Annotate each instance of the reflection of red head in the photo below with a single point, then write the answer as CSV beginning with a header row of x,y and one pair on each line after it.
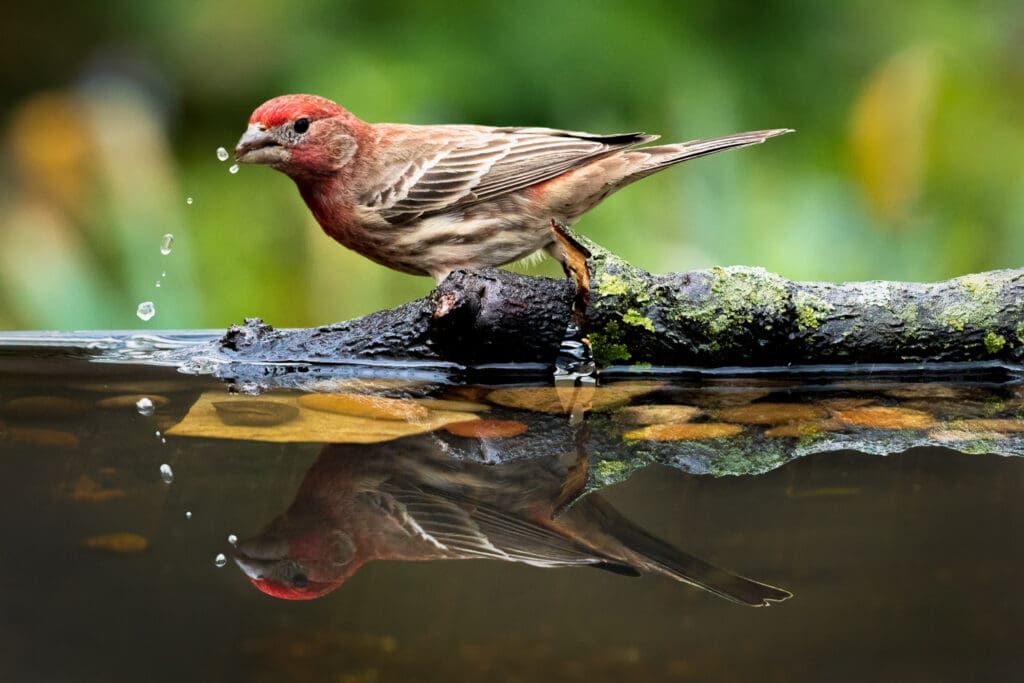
x,y
294,562
280,589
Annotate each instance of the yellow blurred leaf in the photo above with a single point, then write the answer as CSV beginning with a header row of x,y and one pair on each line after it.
x,y
888,130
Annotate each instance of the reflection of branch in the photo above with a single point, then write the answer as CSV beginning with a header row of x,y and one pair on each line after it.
x,y
714,317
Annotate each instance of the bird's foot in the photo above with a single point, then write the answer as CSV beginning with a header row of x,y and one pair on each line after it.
x,y
575,362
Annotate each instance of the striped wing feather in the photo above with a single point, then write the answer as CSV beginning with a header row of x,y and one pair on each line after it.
x,y
480,164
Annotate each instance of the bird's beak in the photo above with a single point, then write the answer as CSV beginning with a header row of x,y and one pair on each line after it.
x,y
255,556
254,569
257,146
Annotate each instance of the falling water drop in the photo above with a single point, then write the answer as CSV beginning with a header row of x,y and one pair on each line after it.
x,y
166,244
145,406
166,473
233,169
146,310
189,201
222,154
220,560
188,514
232,539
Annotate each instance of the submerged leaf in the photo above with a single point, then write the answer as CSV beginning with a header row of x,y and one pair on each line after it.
x,y
657,414
309,425
88,490
885,417
567,399
771,413
125,543
801,429
40,437
255,413
365,405
131,401
448,404
44,407
486,429
690,431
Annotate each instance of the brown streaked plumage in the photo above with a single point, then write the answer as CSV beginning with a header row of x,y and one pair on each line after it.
x,y
428,200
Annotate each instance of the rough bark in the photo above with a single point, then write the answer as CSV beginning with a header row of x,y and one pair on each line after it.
x,y
735,316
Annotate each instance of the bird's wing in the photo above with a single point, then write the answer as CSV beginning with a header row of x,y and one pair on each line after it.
x,y
463,527
465,164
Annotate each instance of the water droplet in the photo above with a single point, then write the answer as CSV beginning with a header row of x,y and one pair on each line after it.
x,y
166,473
146,310
144,406
232,539
222,154
157,432
157,283
163,440
188,514
233,169
166,244
189,201
220,560
163,273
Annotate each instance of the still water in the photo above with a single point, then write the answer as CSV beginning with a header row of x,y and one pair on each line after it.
x,y
901,568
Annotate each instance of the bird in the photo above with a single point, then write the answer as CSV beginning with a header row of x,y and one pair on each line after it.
x,y
431,199
409,500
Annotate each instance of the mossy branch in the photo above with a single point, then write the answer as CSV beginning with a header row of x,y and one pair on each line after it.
x,y
735,316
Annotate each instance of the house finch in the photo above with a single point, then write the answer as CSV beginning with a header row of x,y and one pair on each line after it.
x,y
405,500
428,200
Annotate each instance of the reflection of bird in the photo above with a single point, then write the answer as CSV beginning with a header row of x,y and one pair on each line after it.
x,y
406,501
431,199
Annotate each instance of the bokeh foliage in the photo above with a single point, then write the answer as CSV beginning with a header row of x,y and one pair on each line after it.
x,y
907,163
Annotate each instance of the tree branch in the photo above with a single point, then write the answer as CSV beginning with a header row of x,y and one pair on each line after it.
x,y
704,318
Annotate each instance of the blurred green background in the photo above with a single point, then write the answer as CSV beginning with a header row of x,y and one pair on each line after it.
x,y
908,162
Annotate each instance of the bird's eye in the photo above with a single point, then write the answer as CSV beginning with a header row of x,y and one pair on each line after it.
x,y
300,580
302,125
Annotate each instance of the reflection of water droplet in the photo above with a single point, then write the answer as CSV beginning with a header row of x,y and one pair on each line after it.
x,y
233,169
166,244
146,310
220,560
232,539
222,154
188,514
166,473
189,201
144,406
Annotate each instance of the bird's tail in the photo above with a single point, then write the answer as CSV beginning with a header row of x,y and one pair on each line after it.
x,y
652,554
660,156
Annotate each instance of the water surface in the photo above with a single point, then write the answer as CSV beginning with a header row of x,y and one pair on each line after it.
x,y
902,567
